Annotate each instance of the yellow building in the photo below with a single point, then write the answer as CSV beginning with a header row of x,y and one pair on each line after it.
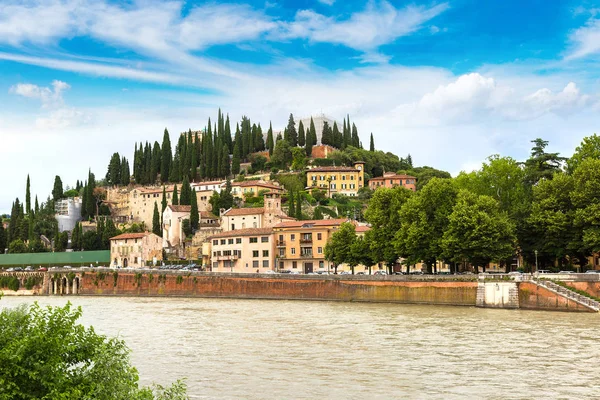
x,y
135,250
337,180
243,251
301,244
239,189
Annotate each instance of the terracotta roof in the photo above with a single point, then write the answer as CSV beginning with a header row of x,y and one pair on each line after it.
x,y
178,208
382,178
243,232
362,228
234,212
130,236
318,222
208,215
333,169
257,183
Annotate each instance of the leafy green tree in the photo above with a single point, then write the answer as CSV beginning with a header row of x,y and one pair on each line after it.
x,y
281,155
186,227
383,213
299,206
301,135
46,354
17,246
57,191
186,192
194,214
166,157
298,159
423,219
110,230
291,207
586,200
478,231
28,196
339,247
361,252
588,149
541,165
91,241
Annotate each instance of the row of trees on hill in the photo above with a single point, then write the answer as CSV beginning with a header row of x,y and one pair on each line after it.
x,y
490,215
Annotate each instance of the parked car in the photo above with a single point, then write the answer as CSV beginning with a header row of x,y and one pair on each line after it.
x,y
18,269
592,271
67,267
565,272
29,268
398,273
42,269
360,273
380,272
416,273
269,271
10,270
543,271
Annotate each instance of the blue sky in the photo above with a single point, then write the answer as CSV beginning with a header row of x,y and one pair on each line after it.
x,y
450,82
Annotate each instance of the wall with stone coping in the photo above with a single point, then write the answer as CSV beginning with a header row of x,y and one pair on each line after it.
x,y
591,288
534,297
277,287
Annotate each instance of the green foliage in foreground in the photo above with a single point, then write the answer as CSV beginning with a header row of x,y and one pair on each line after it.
x,y
45,354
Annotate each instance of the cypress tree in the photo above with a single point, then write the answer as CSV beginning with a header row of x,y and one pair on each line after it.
x,y
225,161
194,165
166,157
372,144
156,221
194,214
57,191
299,207
310,142
338,138
28,196
90,200
164,200
292,133
313,132
2,238
286,135
325,136
184,199
37,208
148,163
125,172
246,132
291,209
318,214
109,231
228,139
156,161
301,135
216,156
270,143
175,196
355,138
278,138
259,141
235,162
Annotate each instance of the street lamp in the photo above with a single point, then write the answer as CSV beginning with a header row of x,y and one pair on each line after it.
x,y
536,264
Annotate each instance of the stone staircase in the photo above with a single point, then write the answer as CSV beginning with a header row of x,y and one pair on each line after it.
x,y
569,294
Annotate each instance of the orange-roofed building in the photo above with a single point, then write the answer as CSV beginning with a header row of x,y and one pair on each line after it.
x,y
243,251
256,217
301,244
337,180
390,180
135,250
239,189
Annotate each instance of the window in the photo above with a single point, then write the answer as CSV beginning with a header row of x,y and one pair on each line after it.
x,y
281,252
293,250
294,264
135,260
238,240
215,265
281,238
319,250
264,239
292,237
253,240
265,253
281,264
233,227
319,236
255,264
321,264
254,253
215,242
229,241
223,241
265,263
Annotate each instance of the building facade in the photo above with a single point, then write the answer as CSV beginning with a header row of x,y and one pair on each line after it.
x,y
301,244
172,226
135,250
390,180
68,213
243,251
257,217
253,188
337,180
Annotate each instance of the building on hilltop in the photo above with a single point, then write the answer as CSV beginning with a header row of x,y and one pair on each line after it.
x,y
390,180
337,180
239,189
257,217
319,121
172,227
135,250
243,251
200,133
322,151
301,244
67,213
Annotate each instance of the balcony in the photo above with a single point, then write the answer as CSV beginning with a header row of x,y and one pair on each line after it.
x,y
306,240
306,255
232,257
281,243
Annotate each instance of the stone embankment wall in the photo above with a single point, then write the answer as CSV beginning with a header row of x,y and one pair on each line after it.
x,y
591,288
534,297
279,287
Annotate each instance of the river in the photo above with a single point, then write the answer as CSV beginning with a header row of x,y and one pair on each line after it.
x,y
262,349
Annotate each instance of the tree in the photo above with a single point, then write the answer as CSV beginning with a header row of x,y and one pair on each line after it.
x,y
175,200
281,155
17,246
166,157
317,214
291,131
299,207
541,165
2,237
186,227
156,221
339,247
383,213
186,192
125,172
46,354
311,138
113,173
270,143
194,214
163,202
57,191
301,134
423,219
28,196
298,159
291,208
372,143
587,203
235,162
588,149
226,168
478,231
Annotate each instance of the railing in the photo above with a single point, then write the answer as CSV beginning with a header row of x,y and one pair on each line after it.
x,y
281,243
306,255
570,294
228,258
304,240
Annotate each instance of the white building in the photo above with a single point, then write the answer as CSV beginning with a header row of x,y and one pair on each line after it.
x,y
68,213
173,217
319,121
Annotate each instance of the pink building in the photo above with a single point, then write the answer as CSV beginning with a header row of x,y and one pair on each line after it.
x,y
390,180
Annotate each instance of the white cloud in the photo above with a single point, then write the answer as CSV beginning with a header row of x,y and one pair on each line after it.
x,y
585,41
50,97
327,2
380,23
